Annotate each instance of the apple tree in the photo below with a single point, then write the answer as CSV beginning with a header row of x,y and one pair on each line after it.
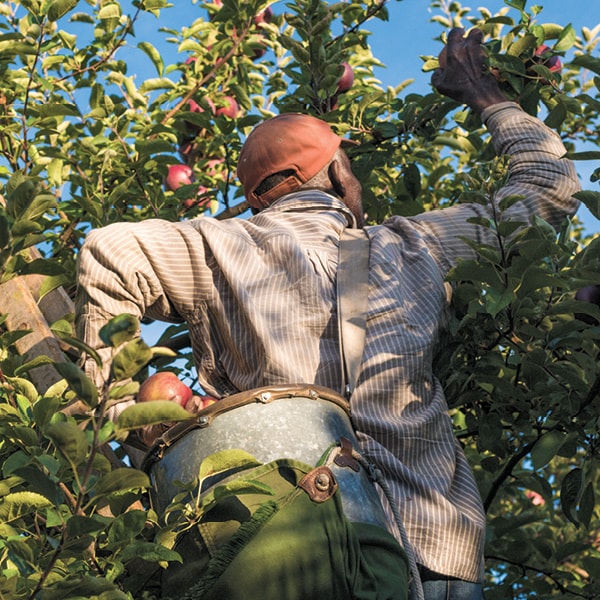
x,y
85,142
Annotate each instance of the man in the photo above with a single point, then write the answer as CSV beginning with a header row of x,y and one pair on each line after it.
x,y
259,296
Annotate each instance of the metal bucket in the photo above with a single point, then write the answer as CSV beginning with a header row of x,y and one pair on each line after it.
x,y
269,423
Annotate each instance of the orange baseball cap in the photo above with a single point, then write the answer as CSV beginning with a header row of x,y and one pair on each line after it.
x,y
290,141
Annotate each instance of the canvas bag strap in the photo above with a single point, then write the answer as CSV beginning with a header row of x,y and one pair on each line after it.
x,y
352,296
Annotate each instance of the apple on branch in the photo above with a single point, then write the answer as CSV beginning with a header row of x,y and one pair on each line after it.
x,y
228,108
346,81
264,16
552,62
178,175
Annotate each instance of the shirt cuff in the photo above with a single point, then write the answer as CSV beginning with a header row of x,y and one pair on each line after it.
x,y
494,109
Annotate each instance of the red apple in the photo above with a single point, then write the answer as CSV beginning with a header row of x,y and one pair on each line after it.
x,y
177,176
347,79
212,165
207,401
164,385
229,108
194,106
553,62
259,50
264,16
186,151
589,293
201,198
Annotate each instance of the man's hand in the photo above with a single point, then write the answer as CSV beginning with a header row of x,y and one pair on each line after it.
x,y
463,75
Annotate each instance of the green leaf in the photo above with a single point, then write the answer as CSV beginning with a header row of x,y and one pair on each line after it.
x,y
80,525
81,384
16,505
546,448
570,491
149,147
134,356
566,39
149,552
44,409
25,387
126,527
111,10
587,504
591,201
151,413
497,300
62,328
121,391
120,329
62,109
518,4
4,232
412,179
587,62
121,480
154,55
59,8
69,440
556,116
226,460
535,278
31,364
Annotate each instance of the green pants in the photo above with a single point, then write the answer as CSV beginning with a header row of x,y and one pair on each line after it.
x,y
285,546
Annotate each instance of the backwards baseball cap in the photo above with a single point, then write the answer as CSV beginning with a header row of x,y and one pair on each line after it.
x,y
291,141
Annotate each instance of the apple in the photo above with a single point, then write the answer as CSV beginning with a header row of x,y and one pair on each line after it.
x,y
186,151
194,106
229,108
201,198
553,62
212,166
207,401
589,293
536,499
178,175
259,50
164,385
347,79
264,16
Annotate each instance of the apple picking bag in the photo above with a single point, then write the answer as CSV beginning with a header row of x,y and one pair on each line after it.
x,y
282,508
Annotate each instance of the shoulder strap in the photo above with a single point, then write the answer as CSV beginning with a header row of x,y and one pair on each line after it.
x,y
352,296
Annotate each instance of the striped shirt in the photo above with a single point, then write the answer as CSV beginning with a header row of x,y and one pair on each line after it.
x,y
259,296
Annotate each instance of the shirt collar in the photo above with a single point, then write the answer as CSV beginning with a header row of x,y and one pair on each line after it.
x,y
311,200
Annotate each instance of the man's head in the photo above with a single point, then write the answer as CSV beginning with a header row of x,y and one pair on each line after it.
x,y
288,151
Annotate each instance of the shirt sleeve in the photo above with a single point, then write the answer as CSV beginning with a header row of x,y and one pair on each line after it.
x,y
151,268
543,180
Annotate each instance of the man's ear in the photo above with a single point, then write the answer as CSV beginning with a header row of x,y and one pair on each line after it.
x,y
336,176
